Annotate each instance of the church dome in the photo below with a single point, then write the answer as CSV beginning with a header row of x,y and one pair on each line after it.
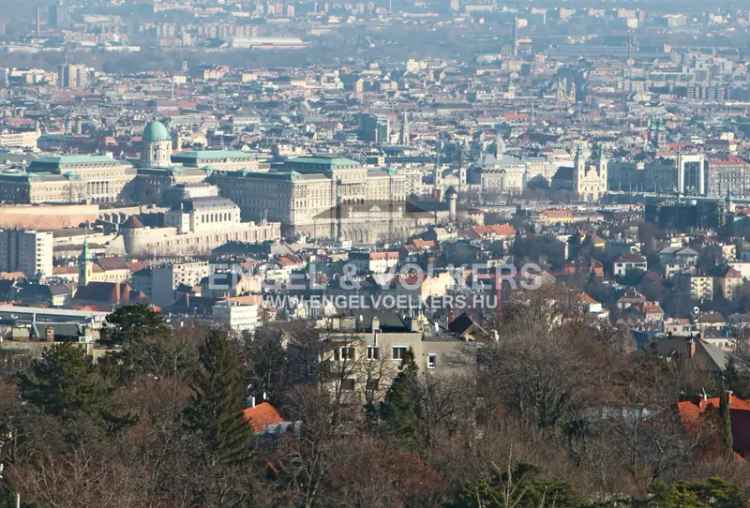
x,y
156,132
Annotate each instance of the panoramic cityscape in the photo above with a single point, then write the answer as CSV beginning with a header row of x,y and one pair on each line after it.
x,y
397,253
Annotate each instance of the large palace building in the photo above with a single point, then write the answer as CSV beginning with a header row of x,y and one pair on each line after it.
x,y
68,179
195,227
324,197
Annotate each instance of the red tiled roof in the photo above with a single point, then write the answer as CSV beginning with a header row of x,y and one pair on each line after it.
x,y
585,298
652,307
732,274
630,258
556,212
261,416
133,222
289,261
732,160
384,255
423,244
690,411
245,299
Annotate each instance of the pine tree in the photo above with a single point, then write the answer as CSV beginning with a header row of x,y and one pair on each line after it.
x,y
136,322
65,383
737,379
726,420
400,411
215,412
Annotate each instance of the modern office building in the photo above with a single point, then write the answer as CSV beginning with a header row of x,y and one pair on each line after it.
x,y
29,252
73,76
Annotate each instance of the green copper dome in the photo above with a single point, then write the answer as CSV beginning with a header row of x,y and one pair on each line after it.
x,y
156,132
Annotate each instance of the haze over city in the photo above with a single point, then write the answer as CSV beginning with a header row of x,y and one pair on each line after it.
x,y
394,253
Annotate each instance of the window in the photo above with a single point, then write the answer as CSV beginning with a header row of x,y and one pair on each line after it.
x,y
346,353
431,360
347,384
399,352
373,353
373,384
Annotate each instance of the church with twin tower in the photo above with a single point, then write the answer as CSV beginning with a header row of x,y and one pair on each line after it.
x,y
590,174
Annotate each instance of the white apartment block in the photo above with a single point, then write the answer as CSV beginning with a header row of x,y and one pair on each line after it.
x,y
238,317
29,252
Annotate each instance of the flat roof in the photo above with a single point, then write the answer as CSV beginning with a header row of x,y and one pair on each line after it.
x,y
316,163
70,313
212,155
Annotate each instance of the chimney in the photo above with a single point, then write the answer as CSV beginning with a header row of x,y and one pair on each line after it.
x,y
692,346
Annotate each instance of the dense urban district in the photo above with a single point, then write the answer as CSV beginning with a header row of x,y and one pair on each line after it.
x,y
397,253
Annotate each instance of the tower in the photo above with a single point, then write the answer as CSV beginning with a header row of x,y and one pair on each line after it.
x,y
452,198
38,20
437,174
580,174
85,265
461,170
405,134
157,145
580,163
499,147
602,166
590,174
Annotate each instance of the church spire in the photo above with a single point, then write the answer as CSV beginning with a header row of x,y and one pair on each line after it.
x,y
84,265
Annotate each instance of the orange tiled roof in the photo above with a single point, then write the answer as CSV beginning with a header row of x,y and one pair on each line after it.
x,y
246,299
503,230
650,307
423,244
585,298
556,212
690,411
289,261
261,416
384,255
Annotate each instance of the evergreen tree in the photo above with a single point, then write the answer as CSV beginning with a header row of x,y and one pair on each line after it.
x,y
737,379
726,421
65,383
713,492
520,486
215,411
400,411
136,322
147,346
266,361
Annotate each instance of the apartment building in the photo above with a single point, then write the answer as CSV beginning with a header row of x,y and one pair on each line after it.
x,y
29,252
363,354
